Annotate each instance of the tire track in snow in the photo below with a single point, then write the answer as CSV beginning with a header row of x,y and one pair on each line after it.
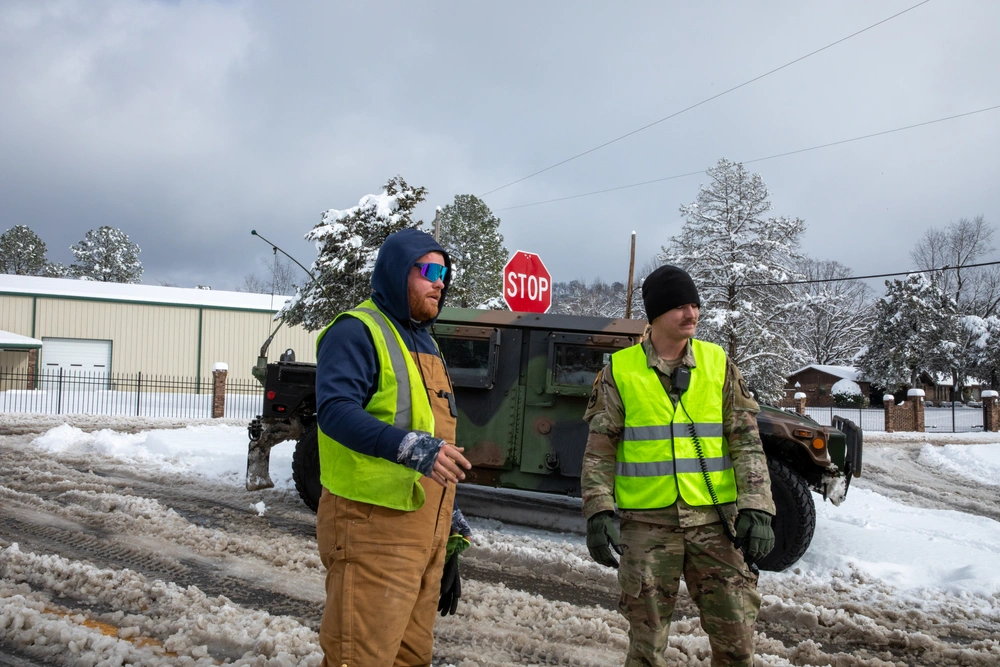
x,y
565,617
897,472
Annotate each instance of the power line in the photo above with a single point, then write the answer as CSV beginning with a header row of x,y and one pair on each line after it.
x,y
879,275
759,159
705,101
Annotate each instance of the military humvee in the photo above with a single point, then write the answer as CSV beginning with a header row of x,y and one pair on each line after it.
x,y
522,381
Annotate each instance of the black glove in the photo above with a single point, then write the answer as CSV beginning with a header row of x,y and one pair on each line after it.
x,y
451,587
601,532
419,450
754,535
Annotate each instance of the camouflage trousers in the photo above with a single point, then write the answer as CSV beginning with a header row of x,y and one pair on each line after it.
x,y
718,580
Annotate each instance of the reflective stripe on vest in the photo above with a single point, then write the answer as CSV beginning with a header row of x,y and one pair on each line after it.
x,y
657,457
401,400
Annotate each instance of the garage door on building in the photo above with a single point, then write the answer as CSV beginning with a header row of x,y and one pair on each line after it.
x,y
76,355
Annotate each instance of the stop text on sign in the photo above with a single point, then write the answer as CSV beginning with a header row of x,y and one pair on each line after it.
x,y
527,284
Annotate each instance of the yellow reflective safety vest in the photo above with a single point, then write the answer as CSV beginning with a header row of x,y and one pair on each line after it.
x,y
400,400
657,456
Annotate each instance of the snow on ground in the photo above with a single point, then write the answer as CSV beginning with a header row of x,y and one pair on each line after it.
x,y
980,463
216,451
889,575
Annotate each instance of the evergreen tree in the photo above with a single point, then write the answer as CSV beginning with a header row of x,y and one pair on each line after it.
x,y
733,252
470,233
348,243
22,253
835,316
915,331
106,255
57,270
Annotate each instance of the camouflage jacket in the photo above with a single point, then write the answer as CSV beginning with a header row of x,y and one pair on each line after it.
x,y
606,416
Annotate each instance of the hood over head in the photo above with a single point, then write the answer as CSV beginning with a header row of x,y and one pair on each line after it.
x,y
390,278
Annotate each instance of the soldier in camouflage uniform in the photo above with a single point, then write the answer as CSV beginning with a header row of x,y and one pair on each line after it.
x,y
659,541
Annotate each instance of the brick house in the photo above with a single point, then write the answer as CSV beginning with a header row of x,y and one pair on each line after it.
x,y
938,387
816,381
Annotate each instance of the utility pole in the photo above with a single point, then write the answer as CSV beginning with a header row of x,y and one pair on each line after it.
x,y
437,225
631,270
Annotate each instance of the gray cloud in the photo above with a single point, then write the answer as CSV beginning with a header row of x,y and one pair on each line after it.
x,y
187,124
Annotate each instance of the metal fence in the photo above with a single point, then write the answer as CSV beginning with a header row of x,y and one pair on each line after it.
x,y
936,420
244,399
869,419
59,391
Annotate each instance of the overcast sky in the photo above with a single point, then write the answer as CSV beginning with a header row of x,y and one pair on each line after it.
x,y
187,124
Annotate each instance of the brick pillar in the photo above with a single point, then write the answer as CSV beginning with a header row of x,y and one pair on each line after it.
x,y
32,368
991,411
888,401
916,399
219,373
800,402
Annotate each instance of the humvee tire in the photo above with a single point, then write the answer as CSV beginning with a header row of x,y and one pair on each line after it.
x,y
305,468
795,520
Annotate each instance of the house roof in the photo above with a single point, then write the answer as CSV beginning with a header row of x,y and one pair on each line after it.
x,y
13,341
149,294
844,372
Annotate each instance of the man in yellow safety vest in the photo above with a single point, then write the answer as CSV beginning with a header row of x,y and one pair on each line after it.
x,y
674,444
388,529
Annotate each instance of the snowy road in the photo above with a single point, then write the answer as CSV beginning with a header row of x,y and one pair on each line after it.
x,y
141,547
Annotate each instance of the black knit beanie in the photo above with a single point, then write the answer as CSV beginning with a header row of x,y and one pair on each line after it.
x,y
665,289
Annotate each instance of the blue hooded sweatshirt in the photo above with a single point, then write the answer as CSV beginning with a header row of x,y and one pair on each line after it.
x,y
347,367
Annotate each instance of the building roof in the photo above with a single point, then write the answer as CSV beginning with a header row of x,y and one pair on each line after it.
x,y
13,341
147,294
845,372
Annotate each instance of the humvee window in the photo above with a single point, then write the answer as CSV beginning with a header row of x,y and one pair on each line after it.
x,y
575,360
471,361
578,365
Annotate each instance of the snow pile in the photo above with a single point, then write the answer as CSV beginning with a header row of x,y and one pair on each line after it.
x,y
980,463
923,554
219,452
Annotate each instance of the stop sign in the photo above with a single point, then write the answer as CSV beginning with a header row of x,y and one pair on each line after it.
x,y
527,285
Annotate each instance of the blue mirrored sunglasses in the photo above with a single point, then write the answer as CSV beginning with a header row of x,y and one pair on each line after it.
x,y
433,272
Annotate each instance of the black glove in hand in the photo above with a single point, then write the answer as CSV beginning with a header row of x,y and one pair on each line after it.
x,y
602,536
419,451
754,535
451,587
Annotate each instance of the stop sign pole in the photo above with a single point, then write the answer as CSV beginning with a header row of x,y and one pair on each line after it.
x,y
527,284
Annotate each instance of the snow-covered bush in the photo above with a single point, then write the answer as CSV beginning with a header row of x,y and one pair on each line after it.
x,y
847,394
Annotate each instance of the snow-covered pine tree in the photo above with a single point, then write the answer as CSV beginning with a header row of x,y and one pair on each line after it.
x,y
915,331
470,233
106,255
835,317
347,242
730,248
22,253
977,350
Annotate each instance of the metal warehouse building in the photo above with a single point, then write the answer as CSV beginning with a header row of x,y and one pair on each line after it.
x,y
53,323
